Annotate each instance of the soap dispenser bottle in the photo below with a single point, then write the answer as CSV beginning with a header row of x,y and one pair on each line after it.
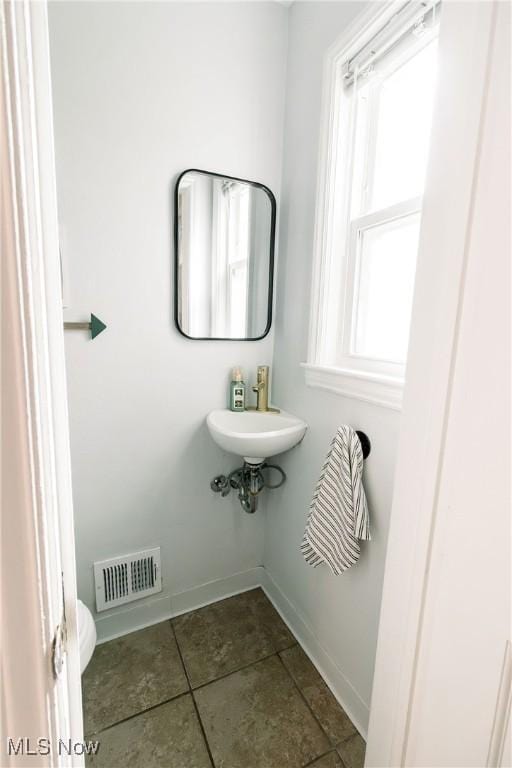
x,y
237,391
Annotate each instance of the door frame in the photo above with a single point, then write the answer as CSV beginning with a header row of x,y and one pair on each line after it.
x,y
39,597
412,559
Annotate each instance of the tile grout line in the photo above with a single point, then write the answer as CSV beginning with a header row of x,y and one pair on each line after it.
x,y
333,746
233,671
136,714
325,754
337,743
190,689
193,689
145,709
201,726
198,715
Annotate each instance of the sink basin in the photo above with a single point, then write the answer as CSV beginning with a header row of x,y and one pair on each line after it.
x,y
253,435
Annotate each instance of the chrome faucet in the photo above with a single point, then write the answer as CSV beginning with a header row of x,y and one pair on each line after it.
x,y
261,389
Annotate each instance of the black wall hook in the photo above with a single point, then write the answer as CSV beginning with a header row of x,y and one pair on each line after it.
x,y
365,443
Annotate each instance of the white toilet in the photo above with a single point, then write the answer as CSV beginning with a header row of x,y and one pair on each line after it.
x,y
86,634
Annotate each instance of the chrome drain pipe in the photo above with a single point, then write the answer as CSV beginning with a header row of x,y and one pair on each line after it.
x,y
249,480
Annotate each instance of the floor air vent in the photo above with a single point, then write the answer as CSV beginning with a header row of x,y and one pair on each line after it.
x,y
126,578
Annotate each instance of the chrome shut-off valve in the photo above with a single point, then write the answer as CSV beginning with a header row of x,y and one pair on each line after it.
x,y
249,480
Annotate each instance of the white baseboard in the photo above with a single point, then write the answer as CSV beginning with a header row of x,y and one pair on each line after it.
x,y
343,690
121,621
152,611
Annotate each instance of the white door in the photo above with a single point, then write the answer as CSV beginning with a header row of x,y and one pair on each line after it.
x,y
443,675
463,676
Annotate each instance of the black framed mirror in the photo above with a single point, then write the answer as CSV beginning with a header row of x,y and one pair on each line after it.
x,y
224,233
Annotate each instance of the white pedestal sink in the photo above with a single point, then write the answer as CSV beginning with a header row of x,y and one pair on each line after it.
x,y
255,436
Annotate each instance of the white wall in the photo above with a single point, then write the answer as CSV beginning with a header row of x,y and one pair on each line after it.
x,y
341,612
207,92
141,92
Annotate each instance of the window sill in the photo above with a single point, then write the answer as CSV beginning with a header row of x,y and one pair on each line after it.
x,y
385,391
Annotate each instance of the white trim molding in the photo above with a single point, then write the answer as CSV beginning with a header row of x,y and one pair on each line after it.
x,y
360,31
415,554
500,734
41,694
145,613
338,683
372,388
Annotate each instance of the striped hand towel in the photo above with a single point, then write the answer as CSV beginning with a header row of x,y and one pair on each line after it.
x,y
338,516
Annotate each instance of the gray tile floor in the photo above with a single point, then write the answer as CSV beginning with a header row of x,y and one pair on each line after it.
x,y
226,686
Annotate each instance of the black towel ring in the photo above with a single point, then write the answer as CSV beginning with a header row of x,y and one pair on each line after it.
x,y
365,443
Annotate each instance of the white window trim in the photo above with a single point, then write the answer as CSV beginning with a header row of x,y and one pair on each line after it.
x,y
349,359
374,387
370,387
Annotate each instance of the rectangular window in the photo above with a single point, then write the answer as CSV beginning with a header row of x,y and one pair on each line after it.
x,y
368,218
